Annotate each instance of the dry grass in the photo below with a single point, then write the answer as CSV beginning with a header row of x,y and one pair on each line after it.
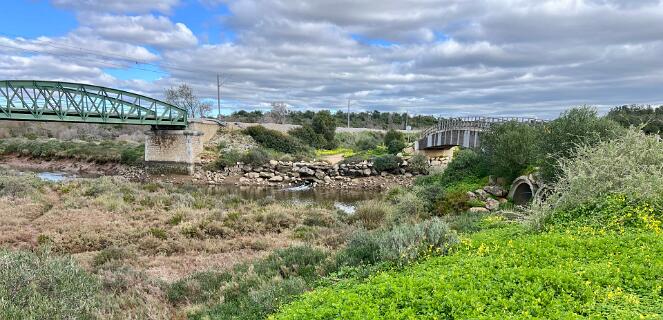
x,y
164,233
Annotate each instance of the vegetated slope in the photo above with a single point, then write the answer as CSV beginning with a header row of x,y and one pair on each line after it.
x,y
593,249
507,273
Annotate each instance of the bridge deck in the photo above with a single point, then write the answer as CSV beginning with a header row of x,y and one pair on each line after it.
x,y
74,102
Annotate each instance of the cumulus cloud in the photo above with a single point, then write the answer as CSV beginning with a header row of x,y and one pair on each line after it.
x,y
448,57
152,30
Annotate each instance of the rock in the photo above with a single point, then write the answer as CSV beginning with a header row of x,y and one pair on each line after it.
x,y
408,175
252,175
502,200
471,195
435,163
276,179
306,171
328,179
273,163
404,164
265,174
243,180
319,174
366,172
495,190
483,195
492,204
478,210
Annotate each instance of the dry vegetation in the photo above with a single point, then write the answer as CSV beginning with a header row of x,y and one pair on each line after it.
x,y
138,238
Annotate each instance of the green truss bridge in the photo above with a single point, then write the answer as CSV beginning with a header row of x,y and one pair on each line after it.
x,y
74,102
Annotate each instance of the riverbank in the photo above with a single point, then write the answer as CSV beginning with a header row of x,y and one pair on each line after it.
x,y
233,177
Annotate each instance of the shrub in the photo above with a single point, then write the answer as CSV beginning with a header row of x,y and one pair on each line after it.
x,y
629,166
274,140
574,128
419,164
107,255
363,248
511,147
465,164
387,162
228,159
324,124
431,194
393,135
360,141
294,261
372,213
406,243
16,186
158,233
395,146
41,286
453,203
307,135
409,208
255,157
198,287
648,117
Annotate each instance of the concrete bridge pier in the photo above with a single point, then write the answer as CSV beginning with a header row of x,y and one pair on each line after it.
x,y
172,151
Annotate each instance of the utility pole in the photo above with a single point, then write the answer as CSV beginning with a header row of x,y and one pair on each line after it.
x,y
348,112
218,94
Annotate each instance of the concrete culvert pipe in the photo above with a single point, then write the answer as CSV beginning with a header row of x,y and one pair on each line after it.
x,y
522,190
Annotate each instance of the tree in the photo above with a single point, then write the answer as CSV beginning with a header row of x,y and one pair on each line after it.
x,y
182,96
324,124
510,148
279,112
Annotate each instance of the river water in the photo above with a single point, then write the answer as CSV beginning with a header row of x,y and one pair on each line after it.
x,y
344,200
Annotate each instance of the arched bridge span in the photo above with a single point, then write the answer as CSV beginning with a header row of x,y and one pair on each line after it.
x,y
75,102
464,132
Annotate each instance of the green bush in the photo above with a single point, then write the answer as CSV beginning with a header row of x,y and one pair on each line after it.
x,y
387,162
628,166
511,147
648,117
255,157
42,286
363,248
324,124
393,135
274,140
574,128
466,164
409,208
307,135
419,164
107,255
372,213
18,186
360,141
228,159
198,287
453,203
395,146
100,152
407,242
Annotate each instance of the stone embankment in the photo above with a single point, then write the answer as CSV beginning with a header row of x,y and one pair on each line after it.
x,y
357,175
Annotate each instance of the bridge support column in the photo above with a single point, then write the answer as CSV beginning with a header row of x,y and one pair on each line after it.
x,y
172,151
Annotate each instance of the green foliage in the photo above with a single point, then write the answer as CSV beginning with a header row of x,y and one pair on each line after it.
x,y
419,164
324,124
387,162
275,140
372,213
42,286
100,152
505,273
466,164
395,141
395,146
307,135
360,141
629,166
18,186
574,128
648,117
510,148
453,203
228,159
198,287
158,233
401,245
409,208
255,157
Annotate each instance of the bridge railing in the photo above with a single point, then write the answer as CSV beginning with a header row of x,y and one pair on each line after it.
x,y
474,123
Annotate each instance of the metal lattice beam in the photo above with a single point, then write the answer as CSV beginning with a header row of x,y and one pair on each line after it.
x,y
75,102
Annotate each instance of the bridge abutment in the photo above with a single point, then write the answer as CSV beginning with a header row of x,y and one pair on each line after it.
x,y
172,151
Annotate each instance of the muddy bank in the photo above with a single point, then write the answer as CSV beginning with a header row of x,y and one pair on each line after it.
x,y
64,165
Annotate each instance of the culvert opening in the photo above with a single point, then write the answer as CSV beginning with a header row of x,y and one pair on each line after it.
x,y
523,194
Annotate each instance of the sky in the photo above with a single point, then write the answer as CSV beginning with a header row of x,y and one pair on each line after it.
x,y
443,57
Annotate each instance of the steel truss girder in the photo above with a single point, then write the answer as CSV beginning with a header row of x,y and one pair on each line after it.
x,y
75,102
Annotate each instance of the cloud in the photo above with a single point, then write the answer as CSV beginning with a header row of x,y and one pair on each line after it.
x,y
118,6
157,31
447,57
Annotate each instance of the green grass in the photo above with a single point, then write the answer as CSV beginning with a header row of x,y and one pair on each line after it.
x,y
345,152
507,272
